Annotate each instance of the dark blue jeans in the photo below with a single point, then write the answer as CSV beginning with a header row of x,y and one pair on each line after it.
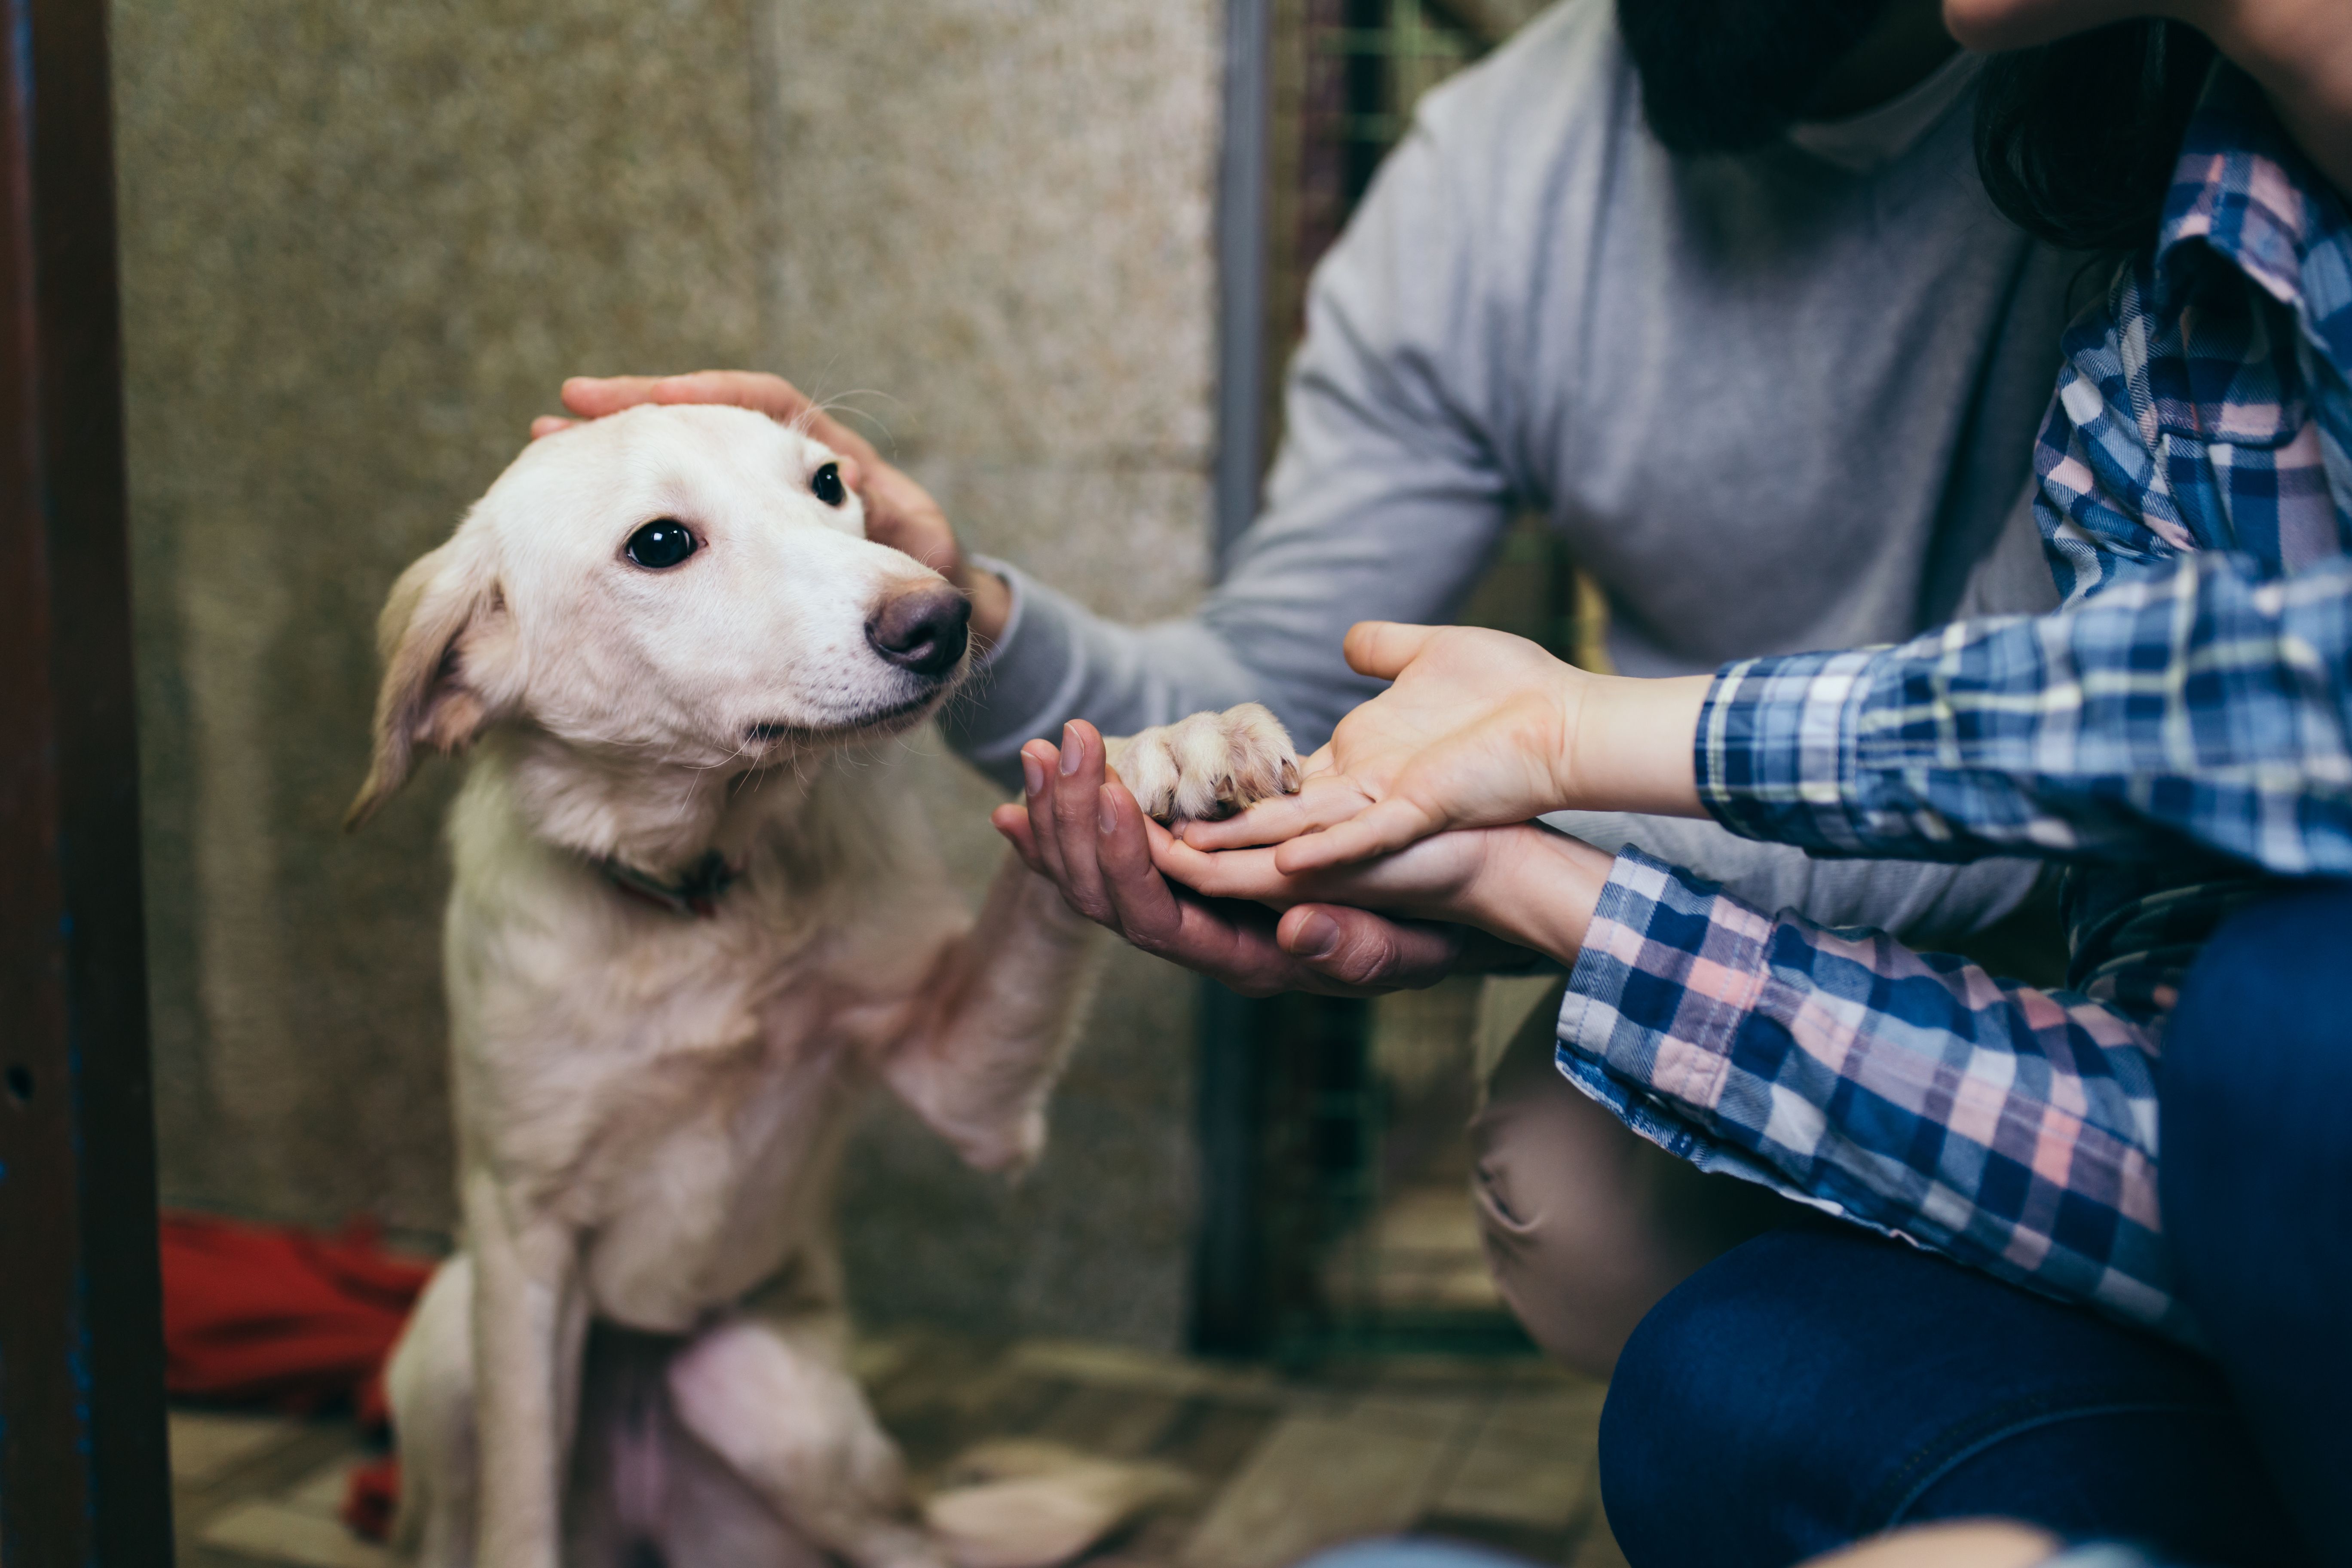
x,y
1818,1384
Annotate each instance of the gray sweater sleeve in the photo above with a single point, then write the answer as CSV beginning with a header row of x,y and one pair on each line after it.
x,y
1386,503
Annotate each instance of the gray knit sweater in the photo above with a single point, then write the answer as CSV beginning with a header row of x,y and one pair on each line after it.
x,y
1776,402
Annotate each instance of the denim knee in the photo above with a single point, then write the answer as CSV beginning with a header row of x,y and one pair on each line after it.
x,y
2256,1070
1817,1386
1703,1405
2265,1015
2256,1179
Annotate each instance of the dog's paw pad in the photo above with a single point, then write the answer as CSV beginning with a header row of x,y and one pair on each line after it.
x,y
1210,765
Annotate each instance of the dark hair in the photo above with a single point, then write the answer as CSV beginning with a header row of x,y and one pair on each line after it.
x,y
2076,139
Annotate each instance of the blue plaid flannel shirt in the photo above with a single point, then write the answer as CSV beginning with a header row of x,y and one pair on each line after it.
x,y
2182,727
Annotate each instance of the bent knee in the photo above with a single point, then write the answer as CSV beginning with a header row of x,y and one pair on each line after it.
x,y
1586,1225
2266,1010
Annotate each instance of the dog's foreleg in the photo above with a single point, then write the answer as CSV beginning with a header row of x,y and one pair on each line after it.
x,y
531,1324
430,1382
999,1008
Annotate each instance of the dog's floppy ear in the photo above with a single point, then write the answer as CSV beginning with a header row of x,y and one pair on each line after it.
x,y
440,613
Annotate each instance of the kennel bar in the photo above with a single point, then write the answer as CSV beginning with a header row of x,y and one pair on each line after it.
x,y
1317,91
83,1475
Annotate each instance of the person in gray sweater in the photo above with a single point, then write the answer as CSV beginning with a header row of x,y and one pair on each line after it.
x,y
1741,324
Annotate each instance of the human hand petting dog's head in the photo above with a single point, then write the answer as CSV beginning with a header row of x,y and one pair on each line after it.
x,y
1478,729
899,513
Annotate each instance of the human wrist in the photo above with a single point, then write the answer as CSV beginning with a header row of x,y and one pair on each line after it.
x,y
1631,745
1539,890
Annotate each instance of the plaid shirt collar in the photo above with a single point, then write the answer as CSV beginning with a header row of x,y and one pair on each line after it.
x,y
2243,191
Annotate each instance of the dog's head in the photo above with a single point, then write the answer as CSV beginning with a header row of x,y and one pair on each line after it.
x,y
688,584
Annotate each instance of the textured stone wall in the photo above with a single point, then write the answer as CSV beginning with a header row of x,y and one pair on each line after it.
x,y
993,245
364,242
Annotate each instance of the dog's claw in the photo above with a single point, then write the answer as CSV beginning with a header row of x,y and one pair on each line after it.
x,y
1208,766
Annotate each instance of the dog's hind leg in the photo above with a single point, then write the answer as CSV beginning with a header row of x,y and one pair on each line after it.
x,y
430,1382
770,1395
718,1520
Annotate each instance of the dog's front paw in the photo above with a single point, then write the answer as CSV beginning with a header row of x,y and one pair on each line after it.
x,y
1208,766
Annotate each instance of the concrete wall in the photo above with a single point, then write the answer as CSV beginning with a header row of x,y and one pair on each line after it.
x,y
362,243
993,241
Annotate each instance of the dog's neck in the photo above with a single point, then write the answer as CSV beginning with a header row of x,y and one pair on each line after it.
x,y
659,819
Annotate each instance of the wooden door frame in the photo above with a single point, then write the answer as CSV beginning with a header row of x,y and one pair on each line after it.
x,y
83,1472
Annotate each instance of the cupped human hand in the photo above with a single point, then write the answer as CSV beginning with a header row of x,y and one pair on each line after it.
x,y
1474,731
1080,827
1477,729
1522,885
899,513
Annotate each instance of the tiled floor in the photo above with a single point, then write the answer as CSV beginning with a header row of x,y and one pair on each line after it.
x,y
1500,1452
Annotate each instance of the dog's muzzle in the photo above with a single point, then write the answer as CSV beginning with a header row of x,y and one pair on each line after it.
x,y
924,630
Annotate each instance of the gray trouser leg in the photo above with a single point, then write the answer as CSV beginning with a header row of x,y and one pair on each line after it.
x,y
1587,1225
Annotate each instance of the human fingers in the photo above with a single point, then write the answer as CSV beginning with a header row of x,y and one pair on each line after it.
x,y
1431,879
1319,802
1355,950
1075,816
1013,822
772,396
1380,829
1233,942
549,424
594,396
1382,648
1040,770
901,514
1225,874
1143,908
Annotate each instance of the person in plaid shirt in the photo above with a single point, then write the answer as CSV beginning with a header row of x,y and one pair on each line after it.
x,y
2181,733
2185,727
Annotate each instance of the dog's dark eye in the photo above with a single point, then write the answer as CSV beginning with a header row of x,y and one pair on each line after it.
x,y
661,543
828,485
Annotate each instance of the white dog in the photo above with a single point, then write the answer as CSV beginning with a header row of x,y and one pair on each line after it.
x,y
692,921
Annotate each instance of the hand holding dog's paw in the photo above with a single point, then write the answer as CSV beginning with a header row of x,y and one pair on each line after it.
x,y
1208,766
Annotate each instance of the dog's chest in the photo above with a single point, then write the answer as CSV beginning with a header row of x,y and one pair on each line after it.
x,y
714,1182
675,1089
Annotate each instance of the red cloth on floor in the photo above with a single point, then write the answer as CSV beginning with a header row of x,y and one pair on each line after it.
x,y
296,1319
266,1314
371,1497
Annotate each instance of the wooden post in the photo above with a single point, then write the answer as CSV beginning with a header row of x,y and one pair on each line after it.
x,y
83,1477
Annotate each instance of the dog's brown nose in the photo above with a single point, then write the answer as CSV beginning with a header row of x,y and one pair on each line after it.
x,y
922,629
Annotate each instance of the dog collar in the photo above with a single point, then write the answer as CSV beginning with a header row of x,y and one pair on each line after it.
x,y
693,896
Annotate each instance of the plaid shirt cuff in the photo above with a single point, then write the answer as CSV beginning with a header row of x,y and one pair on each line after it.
x,y
2008,1127
1775,750
1667,974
